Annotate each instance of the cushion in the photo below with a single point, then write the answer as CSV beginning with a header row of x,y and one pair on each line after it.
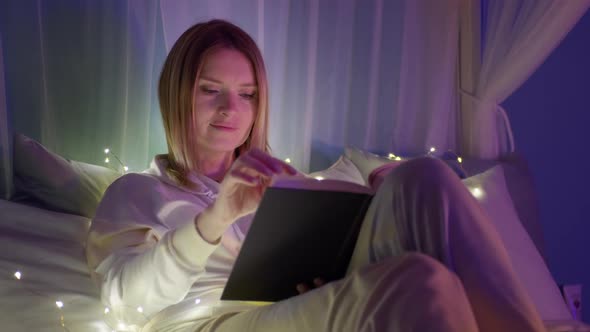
x,y
491,191
367,162
343,169
373,167
59,184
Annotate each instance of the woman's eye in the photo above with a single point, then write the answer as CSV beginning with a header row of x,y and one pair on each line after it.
x,y
209,91
248,96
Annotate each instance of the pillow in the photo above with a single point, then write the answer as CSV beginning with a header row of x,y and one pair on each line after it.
x,y
343,169
490,190
367,162
62,185
373,167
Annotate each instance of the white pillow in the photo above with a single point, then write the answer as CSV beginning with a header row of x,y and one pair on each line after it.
x,y
343,169
63,185
365,161
490,190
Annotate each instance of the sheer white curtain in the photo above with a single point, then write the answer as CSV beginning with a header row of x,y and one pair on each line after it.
x,y
5,138
517,36
375,74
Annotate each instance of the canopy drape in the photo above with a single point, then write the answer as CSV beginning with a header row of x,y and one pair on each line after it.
x,y
502,44
379,75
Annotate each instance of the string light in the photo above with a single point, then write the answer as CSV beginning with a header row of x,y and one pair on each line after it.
x,y
398,158
106,310
432,149
17,275
288,160
197,301
391,156
59,304
459,159
319,178
107,160
477,192
140,309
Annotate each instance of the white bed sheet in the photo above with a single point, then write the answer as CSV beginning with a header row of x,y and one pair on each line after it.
x,y
48,249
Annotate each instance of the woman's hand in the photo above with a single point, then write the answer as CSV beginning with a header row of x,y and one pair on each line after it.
x,y
240,191
304,287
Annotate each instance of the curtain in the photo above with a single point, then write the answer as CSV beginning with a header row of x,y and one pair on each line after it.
x,y
515,38
5,138
380,75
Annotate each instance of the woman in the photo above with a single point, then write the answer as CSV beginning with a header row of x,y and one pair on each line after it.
x,y
163,242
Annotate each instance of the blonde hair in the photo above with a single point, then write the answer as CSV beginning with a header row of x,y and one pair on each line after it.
x,y
178,83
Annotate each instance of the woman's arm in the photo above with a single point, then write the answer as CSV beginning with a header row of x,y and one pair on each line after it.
x,y
138,261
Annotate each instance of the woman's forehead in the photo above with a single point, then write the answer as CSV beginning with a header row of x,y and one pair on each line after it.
x,y
228,66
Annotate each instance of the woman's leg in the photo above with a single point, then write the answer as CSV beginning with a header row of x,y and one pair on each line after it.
x,y
408,293
423,206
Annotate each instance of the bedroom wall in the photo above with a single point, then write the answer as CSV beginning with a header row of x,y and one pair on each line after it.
x,y
550,117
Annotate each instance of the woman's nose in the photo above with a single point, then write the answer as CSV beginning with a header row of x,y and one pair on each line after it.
x,y
229,102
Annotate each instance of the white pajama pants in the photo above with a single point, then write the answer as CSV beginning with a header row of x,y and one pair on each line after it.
x,y
427,259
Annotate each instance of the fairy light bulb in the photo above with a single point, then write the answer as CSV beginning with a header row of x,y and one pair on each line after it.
x,y
121,326
319,178
391,156
126,168
197,301
106,310
398,158
432,149
17,275
107,160
477,192
140,309
459,159
59,304
107,150
288,160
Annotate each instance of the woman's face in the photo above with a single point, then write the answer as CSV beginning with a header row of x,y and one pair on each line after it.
x,y
225,101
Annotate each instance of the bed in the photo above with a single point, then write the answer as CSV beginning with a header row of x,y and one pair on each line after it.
x,y
46,286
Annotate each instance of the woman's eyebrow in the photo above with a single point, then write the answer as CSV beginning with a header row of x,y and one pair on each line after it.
x,y
245,85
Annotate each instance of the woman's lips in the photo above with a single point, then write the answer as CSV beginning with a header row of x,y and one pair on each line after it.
x,y
223,127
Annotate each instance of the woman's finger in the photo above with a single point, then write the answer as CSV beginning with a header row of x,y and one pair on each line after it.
x,y
256,165
277,165
243,178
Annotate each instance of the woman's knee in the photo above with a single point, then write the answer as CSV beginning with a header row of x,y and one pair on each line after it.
x,y
423,171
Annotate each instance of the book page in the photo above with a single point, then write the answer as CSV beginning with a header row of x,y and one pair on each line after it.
x,y
307,183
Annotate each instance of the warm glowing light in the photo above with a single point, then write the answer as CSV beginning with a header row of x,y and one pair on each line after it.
x,y
459,159
125,168
398,158
391,156
121,326
288,160
106,160
197,301
139,309
59,304
17,275
106,310
432,149
477,192
107,150
319,178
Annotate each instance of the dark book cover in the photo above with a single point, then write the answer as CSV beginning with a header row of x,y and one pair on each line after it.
x,y
296,236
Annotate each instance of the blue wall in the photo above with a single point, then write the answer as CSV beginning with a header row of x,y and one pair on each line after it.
x,y
550,116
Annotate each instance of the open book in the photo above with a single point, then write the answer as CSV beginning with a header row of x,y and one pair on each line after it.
x,y
303,229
